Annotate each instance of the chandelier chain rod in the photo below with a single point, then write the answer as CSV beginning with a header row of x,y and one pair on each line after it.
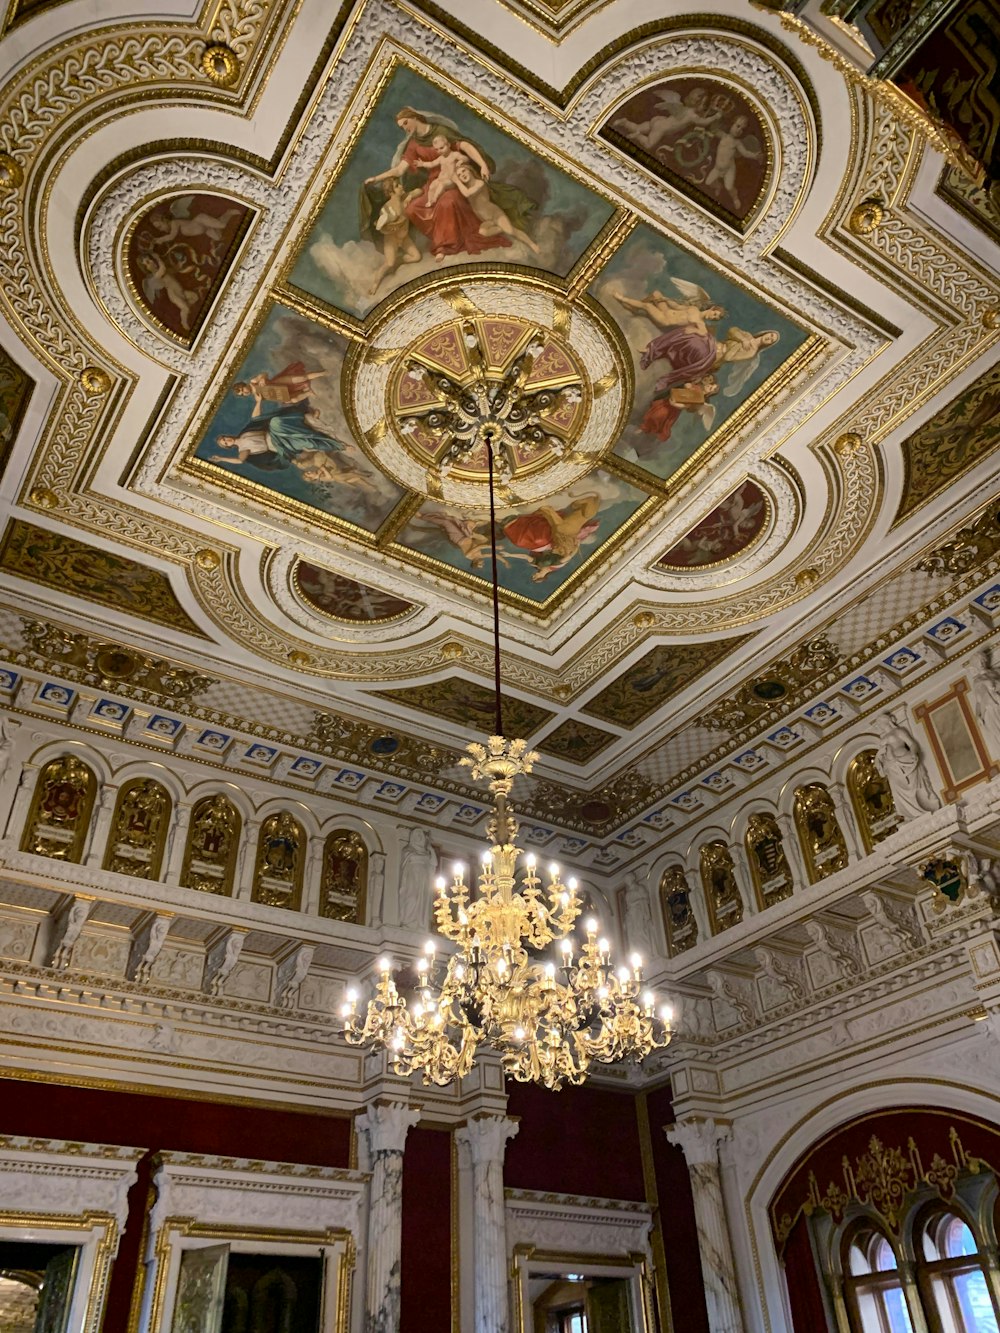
x,y
488,437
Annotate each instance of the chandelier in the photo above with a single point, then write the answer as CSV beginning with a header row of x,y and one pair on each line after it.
x,y
549,1019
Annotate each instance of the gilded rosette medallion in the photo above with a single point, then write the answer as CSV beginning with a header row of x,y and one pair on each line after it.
x,y
439,373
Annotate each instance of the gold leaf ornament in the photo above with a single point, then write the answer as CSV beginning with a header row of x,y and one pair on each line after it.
x,y
221,64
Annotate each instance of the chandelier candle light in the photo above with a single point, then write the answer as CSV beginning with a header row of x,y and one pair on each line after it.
x,y
549,1020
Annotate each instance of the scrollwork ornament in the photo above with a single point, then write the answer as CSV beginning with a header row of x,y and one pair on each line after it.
x,y
221,64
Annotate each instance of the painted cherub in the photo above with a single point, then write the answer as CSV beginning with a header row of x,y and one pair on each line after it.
x,y
160,279
695,309
202,224
449,158
492,219
731,145
393,226
677,114
293,384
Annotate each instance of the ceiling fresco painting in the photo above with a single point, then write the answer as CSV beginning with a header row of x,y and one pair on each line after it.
x,y
57,560
281,427
345,599
178,254
656,677
978,203
702,346
575,741
430,183
700,135
541,545
15,391
951,442
455,699
663,269
726,532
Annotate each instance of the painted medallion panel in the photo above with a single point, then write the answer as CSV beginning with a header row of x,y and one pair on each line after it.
x,y
540,546
430,183
281,426
702,346
468,704
179,251
951,442
575,741
15,390
700,135
663,672
728,530
341,598
56,560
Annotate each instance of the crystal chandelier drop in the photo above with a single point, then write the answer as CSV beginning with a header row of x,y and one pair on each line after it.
x,y
549,1020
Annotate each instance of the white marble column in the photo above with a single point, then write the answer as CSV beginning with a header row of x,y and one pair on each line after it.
x,y
484,1142
385,1126
699,1140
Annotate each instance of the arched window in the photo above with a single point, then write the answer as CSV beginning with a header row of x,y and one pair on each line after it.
x,y
345,877
213,839
60,810
873,1291
138,829
281,848
951,1275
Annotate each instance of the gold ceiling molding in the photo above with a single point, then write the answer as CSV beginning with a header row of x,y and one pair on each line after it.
x,y
907,252
108,665
780,686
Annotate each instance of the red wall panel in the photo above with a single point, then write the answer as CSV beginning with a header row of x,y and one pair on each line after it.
x,y
425,1271
680,1240
577,1141
138,1120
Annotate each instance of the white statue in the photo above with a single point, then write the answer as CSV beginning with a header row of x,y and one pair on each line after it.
x,y
146,951
417,867
71,926
902,762
638,916
291,975
376,888
8,729
986,699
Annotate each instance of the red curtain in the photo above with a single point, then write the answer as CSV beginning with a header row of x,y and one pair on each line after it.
x,y
804,1293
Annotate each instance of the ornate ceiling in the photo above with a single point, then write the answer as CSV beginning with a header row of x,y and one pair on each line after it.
x,y
256,258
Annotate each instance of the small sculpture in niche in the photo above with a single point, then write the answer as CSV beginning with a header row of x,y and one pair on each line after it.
x,y
638,916
138,830
213,840
60,810
986,698
871,797
902,761
277,878
416,875
718,876
769,868
678,914
345,877
820,834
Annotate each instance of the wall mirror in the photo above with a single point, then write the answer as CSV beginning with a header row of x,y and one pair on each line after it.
x,y
37,1286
